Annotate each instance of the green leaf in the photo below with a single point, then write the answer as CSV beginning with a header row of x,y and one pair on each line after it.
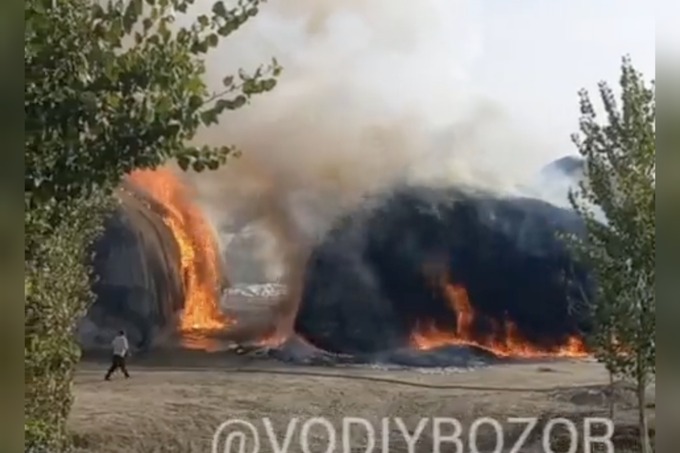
x,y
213,164
250,87
116,29
210,117
129,18
199,47
221,105
163,32
269,84
89,100
219,9
195,85
198,166
223,152
183,162
138,6
203,20
212,40
172,130
239,102
98,11
226,29
233,104
195,102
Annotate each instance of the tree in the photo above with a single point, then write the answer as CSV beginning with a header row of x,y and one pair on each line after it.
x,y
616,201
110,87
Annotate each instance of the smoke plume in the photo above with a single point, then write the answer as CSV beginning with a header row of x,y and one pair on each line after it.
x,y
373,94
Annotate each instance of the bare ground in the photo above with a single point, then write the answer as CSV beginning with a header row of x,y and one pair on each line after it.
x,y
176,401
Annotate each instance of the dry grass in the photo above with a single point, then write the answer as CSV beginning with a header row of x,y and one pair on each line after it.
x,y
177,409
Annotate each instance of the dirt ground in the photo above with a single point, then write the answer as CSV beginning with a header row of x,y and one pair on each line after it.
x,y
175,402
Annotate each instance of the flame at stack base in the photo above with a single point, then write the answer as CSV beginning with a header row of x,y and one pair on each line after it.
x,y
503,340
274,340
499,282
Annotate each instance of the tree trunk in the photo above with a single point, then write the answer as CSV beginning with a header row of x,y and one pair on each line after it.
x,y
611,395
645,444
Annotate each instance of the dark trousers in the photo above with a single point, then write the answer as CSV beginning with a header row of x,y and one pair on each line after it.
x,y
117,362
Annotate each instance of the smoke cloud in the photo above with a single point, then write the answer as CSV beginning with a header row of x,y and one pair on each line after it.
x,y
373,94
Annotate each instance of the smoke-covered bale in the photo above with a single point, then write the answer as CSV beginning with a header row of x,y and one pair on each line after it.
x,y
139,285
374,277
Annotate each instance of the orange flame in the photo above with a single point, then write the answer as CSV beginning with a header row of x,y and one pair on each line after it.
x,y
273,340
197,246
505,340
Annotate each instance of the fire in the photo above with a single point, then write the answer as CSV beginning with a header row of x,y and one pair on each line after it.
x,y
198,249
505,340
273,340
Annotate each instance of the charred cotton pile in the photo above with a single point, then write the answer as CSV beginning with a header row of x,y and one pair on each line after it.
x,y
139,279
417,277
428,269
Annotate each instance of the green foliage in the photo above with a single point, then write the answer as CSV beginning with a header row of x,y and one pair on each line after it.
x,y
57,286
110,87
97,102
616,200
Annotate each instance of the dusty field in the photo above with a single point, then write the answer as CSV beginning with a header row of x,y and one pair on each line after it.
x,y
176,402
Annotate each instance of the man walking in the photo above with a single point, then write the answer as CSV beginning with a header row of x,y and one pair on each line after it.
x,y
120,351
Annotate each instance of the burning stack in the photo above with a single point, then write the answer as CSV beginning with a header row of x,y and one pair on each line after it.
x,y
427,268
158,257
139,278
418,276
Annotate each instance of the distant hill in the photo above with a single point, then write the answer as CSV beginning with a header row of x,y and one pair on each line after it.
x,y
571,166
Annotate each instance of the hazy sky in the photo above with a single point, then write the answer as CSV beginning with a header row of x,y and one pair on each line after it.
x,y
536,54
420,67
375,92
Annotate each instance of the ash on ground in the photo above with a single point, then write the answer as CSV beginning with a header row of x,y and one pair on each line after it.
x,y
259,290
297,351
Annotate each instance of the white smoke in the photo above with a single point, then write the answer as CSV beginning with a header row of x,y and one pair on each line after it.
x,y
373,93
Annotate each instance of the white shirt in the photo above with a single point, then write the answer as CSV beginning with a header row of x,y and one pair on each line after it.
x,y
120,346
